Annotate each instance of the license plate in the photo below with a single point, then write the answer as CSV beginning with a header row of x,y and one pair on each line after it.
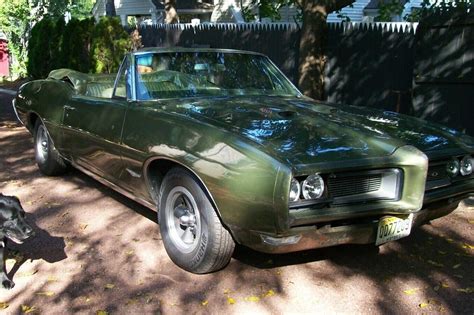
x,y
393,228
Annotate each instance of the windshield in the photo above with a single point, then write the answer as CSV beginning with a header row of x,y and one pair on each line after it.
x,y
196,74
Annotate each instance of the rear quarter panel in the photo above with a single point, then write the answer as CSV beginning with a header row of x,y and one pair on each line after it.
x,y
45,99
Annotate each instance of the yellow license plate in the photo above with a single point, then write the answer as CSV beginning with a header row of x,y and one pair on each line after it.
x,y
393,228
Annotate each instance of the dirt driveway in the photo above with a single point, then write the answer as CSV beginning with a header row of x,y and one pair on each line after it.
x,y
98,251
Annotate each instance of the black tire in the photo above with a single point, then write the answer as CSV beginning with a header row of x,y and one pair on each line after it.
x,y
47,157
192,233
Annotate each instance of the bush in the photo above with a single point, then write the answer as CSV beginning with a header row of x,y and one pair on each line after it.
x,y
39,48
81,45
109,44
75,52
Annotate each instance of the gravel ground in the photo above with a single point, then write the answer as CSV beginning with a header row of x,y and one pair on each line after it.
x,y
95,251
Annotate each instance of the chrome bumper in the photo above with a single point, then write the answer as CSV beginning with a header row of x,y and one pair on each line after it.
x,y
311,237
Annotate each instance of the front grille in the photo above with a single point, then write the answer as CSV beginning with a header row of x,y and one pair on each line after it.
x,y
354,185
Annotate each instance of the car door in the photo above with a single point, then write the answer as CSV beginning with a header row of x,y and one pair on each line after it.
x,y
93,127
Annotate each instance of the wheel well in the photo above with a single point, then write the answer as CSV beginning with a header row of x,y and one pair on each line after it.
x,y
156,172
31,121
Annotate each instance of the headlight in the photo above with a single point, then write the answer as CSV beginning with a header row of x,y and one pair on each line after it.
x,y
453,167
313,187
294,190
466,165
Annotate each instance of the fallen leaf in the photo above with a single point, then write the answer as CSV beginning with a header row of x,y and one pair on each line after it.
x,y
411,291
45,293
129,252
444,285
83,226
466,290
204,303
109,286
4,305
132,302
26,273
459,276
136,239
441,252
27,309
434,263
101,312
269,293
465,245
471,221
252,298
449,240
423,305
456,266
52,279
227,291
230,300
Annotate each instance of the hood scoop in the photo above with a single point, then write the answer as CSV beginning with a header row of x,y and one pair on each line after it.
x,y
287,114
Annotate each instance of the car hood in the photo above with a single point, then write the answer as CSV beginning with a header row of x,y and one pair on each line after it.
x,y
302,131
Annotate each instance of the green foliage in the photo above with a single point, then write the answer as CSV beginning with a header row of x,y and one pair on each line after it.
x,y
429,8
109,44
81,45
40,50
388,9
14,22
75,45
17,17
265,8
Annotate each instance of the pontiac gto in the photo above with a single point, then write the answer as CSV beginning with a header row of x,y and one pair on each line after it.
x,y
229,151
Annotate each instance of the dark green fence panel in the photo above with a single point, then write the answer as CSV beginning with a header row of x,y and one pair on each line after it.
x,y
370,65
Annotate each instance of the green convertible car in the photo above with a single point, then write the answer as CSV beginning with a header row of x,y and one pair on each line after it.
x,y
229,151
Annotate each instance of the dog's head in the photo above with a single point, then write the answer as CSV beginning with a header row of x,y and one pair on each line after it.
x,y
12,220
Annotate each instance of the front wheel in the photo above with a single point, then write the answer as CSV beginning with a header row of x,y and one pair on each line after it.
x,y
192,233
47,157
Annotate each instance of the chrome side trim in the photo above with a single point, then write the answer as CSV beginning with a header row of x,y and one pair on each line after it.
x,y
115,187
16,113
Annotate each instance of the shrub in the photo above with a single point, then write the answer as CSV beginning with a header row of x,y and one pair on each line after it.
x,y
109,44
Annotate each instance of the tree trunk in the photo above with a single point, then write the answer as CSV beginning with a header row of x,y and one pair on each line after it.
x,y
171,14
313,44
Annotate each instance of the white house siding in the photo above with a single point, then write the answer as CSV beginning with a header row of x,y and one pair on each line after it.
x,y
355,14
410,5
125,8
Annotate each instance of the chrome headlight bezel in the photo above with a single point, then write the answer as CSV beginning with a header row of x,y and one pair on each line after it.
x,y
313,187
466,165
452,168
295,189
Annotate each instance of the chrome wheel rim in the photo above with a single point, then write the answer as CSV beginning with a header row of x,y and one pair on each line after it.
x,y
183,219
42,144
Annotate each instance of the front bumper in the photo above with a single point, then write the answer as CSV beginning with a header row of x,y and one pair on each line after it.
x,y
310,237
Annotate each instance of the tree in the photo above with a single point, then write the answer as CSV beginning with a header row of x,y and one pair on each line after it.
x,y
171,14
312,58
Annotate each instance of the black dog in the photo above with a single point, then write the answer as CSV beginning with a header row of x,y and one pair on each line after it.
x,y
12,226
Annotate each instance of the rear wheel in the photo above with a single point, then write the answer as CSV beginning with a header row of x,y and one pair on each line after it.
x,y
47,157
192,233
